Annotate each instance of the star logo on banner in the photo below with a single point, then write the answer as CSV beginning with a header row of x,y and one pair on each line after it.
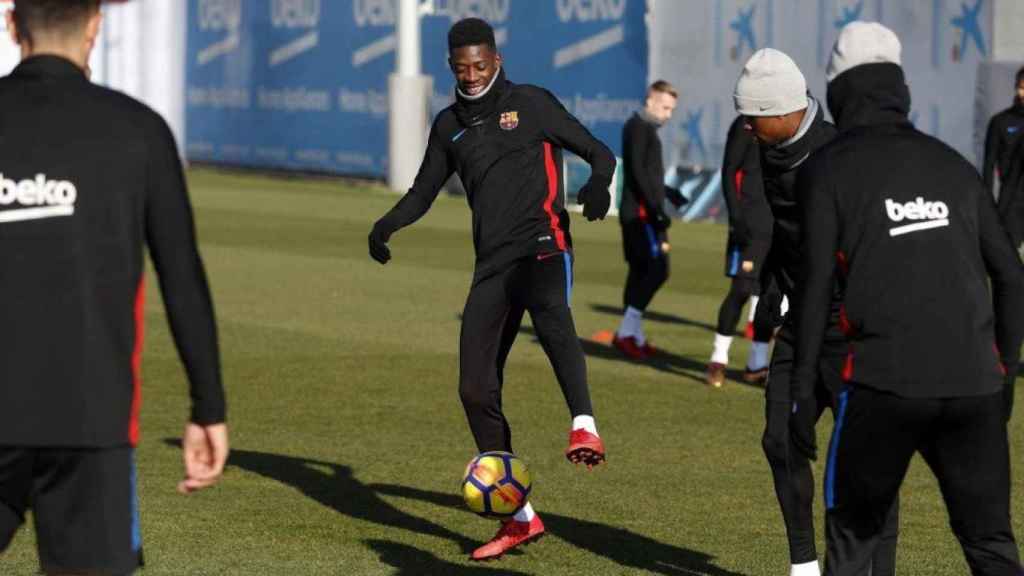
x,y
693,133
969,24
744,27
850,14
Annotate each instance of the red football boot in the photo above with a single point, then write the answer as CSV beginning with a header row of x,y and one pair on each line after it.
x,y
629,347
585,447
648,349
511,534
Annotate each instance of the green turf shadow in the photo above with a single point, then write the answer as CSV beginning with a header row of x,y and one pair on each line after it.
x,y
619,545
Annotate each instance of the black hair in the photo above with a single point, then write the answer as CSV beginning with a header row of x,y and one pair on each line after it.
x,y
471,32
58,16
1020,76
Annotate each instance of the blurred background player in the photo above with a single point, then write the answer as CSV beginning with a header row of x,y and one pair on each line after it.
x,y
912,234
790,125
98,179
750,234
642,216
505,141
1004,130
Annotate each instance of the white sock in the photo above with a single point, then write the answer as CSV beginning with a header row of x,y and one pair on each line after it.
x,y
630,325
784,306
525,514
805,569
586,422
752,309
758,358
720,353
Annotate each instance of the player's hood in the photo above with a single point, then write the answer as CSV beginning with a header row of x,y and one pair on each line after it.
x,y
869,94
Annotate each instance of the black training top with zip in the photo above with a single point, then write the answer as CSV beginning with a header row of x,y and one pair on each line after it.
x,y
780,165
643,189
750,216
89,177
507,149
1004,130
915,238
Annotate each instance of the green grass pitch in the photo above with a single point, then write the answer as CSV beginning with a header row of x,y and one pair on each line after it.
x,y
349,440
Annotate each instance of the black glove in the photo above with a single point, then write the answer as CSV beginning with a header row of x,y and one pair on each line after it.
x,y
659,219
379,237
595,201
676,197
801,426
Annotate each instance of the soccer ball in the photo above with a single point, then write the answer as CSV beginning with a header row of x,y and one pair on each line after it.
x,y
496,484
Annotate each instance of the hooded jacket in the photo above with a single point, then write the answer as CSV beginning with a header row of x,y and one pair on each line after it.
x,y
750,216
780,165
913,235
507,149
1004,131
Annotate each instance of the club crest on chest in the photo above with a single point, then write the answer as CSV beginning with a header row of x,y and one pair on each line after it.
x,y
509,120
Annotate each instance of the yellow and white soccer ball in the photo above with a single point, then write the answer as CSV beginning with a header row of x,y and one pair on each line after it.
x,y
496,484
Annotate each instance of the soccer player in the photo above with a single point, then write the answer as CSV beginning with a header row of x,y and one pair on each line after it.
x,y
1004,130
771,94
505,141
910,230
750,235
642,216
88,178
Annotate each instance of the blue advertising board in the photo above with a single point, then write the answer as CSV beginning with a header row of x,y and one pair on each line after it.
x,y
302,84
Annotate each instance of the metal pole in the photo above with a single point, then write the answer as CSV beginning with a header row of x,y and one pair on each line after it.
x,y
408,99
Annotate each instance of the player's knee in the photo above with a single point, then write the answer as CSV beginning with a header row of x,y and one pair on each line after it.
x,y
473,396
775,447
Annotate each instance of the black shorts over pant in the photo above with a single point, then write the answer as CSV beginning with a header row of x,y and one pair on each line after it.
x,y
647,261
964,442
491,320
791,470
84,503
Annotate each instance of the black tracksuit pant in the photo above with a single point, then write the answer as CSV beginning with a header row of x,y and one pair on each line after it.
x,y
648,263
964,442
491,320
791,471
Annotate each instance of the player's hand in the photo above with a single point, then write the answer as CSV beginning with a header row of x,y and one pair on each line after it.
x,y
660,220
204,450
747,266
676,197
801,426
379,237
595,201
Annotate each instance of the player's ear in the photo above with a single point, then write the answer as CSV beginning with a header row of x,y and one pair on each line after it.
x,y
497,58
92,29
12,28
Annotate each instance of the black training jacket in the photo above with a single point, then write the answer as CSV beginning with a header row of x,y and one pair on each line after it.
x,y
750,216
1004,130
643,189
780,165
915,238
88,177
510,161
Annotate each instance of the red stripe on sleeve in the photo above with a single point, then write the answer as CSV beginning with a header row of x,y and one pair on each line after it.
x,y
133,422
552,174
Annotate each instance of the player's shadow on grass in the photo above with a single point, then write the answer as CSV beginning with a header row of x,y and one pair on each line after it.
x,y
654,317
411,561
626,548
662,360
334,486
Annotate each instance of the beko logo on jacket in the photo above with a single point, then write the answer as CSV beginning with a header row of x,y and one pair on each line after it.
x,y
930,214
35,199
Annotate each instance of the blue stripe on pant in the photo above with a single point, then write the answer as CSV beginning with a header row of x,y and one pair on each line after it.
x,y
568,279
136,529
830,469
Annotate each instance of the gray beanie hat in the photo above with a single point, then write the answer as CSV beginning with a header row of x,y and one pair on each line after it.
x,y
770,84
862,43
